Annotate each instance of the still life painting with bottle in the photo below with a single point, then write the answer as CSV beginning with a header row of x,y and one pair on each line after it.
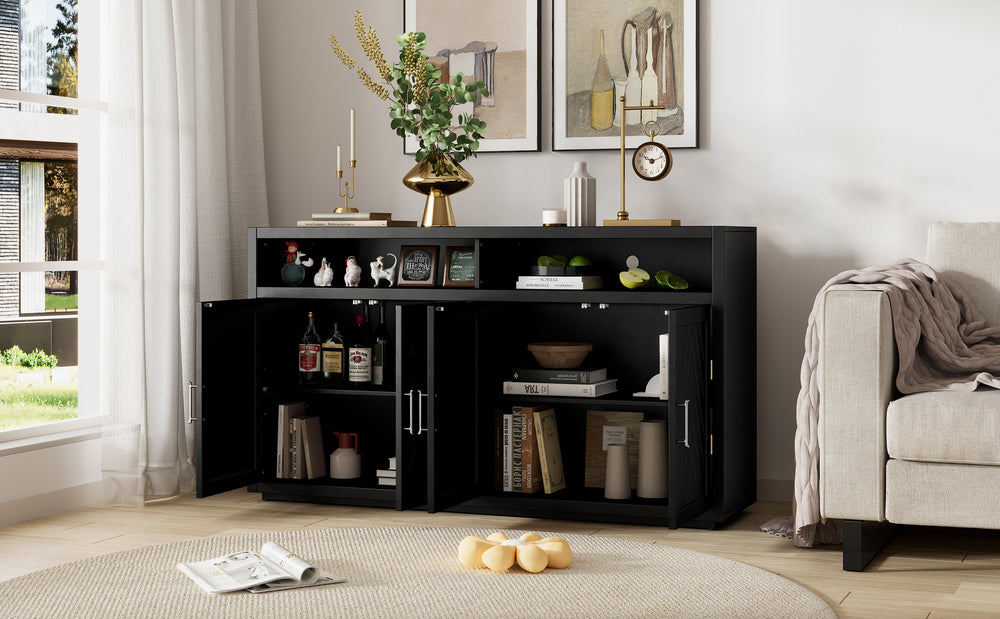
x,y
640,49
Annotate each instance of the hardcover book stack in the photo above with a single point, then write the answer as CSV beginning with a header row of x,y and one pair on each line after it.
x,y
300,452
354,220
580,383
528,457
387,476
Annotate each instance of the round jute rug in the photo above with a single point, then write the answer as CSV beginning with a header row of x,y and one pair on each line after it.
x,y
414,572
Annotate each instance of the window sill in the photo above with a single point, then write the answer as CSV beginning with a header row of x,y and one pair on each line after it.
x,y
19,440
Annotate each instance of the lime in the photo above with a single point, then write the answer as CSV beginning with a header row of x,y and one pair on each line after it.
x,y
640,273
562,258
631,280
549,261
580,261
666,279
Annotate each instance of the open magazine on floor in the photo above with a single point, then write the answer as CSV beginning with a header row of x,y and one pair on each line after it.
x,y
272,569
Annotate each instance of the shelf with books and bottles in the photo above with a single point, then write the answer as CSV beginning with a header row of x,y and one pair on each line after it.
x,y
453,343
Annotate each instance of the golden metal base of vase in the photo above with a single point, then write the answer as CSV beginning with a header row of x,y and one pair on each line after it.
x,y
437,210
437,176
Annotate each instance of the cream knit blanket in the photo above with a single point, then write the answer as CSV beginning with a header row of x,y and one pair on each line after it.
x,y
943,344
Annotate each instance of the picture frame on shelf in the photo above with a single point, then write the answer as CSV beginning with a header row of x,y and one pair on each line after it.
x,y
417,266
586,84
509,62
459,267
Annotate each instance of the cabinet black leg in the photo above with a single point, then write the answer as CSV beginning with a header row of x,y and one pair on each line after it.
x,y
863,540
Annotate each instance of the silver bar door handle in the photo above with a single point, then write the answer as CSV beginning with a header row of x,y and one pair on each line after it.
x,y
686,442
409,428
190,412
420,413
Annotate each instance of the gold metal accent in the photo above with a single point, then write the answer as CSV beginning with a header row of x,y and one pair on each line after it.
x,y
711,444
438,176
346,190
623,214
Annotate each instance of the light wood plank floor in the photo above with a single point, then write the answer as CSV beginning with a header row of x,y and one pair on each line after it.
x,y
925,572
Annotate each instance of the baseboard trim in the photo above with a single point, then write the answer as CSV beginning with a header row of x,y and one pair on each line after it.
x,y
50,503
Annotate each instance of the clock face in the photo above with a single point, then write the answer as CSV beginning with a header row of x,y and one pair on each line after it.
x,y
652,161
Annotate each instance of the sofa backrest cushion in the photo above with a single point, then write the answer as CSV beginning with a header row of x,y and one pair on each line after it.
x,y
969,255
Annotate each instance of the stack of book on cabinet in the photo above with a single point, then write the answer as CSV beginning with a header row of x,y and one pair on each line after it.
x,y
300,444
528,458
580,383
354,220
387,476
559,282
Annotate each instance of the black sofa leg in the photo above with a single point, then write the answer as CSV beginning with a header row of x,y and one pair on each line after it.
x,y
863,540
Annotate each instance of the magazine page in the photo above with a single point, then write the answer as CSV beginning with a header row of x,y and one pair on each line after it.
x,y
245,569
278,585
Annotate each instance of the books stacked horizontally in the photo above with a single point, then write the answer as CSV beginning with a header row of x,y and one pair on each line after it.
x,y
528,458
559,282
300,444
354,220
580,383
387,477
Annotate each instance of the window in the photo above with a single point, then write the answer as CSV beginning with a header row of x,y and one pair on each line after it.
x,y
48,218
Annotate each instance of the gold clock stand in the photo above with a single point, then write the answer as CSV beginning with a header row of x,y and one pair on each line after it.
x,y
623,219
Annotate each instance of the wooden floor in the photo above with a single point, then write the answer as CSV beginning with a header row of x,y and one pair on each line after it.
x,y
924,572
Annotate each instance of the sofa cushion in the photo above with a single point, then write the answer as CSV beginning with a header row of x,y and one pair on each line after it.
x,y
942,495
960,427
969,255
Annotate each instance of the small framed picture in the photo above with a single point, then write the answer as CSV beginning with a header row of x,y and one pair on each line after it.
x,y
460,267
417,265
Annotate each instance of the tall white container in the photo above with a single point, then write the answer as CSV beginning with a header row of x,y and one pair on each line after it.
x,y
652,482
580,197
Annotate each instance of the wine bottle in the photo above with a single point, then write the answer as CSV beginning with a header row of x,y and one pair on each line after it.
x,y
381,350
602,93
359,355
309,353
334,368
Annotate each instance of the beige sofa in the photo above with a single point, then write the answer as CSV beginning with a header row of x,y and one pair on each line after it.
x,y
922,459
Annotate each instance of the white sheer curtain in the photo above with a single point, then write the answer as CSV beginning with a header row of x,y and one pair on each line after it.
x,y
185,177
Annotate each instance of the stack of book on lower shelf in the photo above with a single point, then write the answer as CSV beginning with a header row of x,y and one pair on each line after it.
x,y
528,458
387,476
300,444
559,282
580,383
355,220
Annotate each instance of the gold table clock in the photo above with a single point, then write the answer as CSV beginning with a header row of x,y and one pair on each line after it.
x,y
652,161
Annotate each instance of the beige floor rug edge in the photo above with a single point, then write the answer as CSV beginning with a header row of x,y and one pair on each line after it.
x,y
413,571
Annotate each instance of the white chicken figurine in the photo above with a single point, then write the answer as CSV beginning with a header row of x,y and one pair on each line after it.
x,y
324,277
353,275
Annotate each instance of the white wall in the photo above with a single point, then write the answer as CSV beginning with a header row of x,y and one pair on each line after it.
x,y
840,130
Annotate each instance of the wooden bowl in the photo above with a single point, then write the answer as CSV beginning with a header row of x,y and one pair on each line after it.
x,y
560,355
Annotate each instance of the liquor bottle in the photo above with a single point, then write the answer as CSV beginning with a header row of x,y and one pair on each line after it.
x,y
309,353
381,351
602,93
359,355
334,368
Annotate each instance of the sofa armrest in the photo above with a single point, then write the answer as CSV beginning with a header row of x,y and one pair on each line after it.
x,y
856,383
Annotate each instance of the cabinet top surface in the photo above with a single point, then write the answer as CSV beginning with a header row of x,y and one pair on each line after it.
x,y
502,232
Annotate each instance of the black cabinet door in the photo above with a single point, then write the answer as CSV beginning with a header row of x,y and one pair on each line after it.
x,y
411,406
452,386
226,400
688,474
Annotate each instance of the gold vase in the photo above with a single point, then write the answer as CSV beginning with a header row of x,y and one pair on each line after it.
x,y
438,176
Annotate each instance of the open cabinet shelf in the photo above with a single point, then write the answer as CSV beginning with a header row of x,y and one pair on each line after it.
x,y
453,348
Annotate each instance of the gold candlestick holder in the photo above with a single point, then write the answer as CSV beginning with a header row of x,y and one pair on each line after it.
x,y
346,190
623,214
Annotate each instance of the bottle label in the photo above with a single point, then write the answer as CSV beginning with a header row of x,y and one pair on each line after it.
x,y
333,358
308,357
378,361
359,365
378,375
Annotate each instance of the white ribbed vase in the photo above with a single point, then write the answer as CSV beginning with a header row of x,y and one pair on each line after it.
x,y
580,197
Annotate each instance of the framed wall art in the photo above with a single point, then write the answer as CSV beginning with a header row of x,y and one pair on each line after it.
x,y
497,43
642,49
460,267
417,265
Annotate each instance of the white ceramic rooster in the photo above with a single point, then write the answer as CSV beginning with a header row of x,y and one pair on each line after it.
x,y
324,277
353,275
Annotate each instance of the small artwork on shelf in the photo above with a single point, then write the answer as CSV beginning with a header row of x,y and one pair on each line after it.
x,y
417,265
460,267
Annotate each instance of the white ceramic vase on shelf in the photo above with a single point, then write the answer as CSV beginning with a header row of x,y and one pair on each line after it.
x,y
652,482
617,481
580,197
